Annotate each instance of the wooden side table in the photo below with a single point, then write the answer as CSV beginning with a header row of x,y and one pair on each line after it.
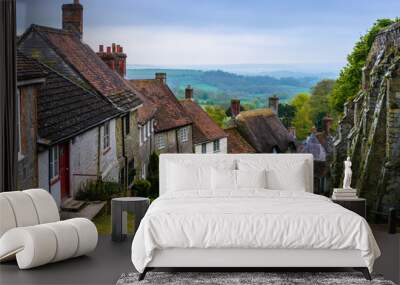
x,y
358,205
119,208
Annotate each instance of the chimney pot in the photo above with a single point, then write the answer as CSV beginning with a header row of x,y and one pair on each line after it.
x,y
189,92
235,107
108,49
273,103
101,48
113,47
121,49
161,76
76,1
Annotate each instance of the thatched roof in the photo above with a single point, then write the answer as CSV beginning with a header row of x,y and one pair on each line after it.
x,y
264,131
236,143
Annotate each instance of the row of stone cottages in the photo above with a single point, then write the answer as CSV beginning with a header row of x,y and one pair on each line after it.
x,y
79,118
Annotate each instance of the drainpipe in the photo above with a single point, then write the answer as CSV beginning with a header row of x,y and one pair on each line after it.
x,y
124,154
177,141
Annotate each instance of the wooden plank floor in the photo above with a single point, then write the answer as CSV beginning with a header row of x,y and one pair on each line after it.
x,y
110,260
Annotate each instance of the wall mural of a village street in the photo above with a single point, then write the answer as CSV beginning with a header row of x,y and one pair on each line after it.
x,y
93,118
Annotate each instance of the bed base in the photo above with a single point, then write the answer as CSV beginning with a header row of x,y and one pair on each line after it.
x,y
250,259
363,270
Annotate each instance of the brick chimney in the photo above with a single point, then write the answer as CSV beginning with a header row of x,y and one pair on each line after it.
x,y
327,124
189,92
114,57
161,76
235,107
72,18
273,103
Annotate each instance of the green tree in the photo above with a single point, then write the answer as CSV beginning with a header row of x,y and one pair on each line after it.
x,y
217,113
302,119
286,113
319,101
349,82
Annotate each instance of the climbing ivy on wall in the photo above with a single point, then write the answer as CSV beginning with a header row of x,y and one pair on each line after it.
x,y
349,82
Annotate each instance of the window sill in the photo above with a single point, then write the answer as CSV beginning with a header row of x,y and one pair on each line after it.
x,y
106,150
54,180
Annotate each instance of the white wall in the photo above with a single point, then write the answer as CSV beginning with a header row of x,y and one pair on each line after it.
x,y
223,147
55,188
83,162
109,162
83,159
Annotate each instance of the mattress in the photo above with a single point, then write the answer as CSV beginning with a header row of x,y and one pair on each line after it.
x,y
250,219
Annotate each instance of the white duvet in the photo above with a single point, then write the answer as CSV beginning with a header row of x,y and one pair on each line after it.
x,y
250,219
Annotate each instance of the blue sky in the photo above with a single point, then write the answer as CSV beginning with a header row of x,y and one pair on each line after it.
x,y
189,32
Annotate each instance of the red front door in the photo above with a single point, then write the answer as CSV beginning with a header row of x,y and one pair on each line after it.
x,y
64,170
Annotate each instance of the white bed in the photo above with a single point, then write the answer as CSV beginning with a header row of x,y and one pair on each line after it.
x,y
280,225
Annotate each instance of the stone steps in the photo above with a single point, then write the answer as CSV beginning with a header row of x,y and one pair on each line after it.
x,y
89,211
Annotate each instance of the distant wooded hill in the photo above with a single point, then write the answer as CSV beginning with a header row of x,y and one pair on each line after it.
x,y
218,87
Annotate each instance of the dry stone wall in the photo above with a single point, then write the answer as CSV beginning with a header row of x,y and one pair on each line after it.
x,y
370,129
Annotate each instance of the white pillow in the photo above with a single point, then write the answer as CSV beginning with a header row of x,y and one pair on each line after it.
x,y
223,179
289,174
294,179
251,179
188,177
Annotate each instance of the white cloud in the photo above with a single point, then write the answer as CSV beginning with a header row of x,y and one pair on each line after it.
x,y
180,46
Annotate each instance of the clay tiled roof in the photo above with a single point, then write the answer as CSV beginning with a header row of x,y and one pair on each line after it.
x,y
85,62
263,130
236,143
204,128
28,68
169,113
66,109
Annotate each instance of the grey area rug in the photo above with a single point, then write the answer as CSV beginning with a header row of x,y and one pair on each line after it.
x,y
225,278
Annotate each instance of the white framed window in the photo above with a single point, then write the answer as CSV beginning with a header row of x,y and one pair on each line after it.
x,y
54,163
183,134
140,135
216,146
204,148
161,141
152,126
106,135
144,171
148,129
145,132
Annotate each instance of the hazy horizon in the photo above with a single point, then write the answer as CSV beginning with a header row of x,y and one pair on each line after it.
x,y
275,70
